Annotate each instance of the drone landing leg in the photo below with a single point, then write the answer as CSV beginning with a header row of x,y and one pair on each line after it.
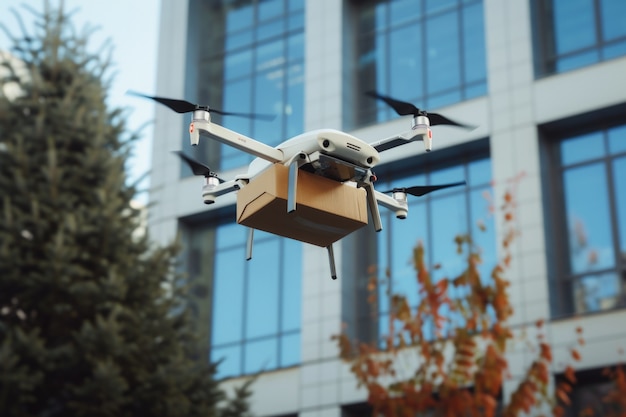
x,y
331,259
373,206
249,244
292,186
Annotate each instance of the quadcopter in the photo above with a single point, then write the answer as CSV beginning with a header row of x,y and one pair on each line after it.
x,y
329,153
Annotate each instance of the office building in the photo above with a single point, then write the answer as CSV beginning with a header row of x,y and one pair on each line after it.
x,y
544,81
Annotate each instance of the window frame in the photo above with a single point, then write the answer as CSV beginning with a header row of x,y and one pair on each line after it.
x,y
208,223
544,39
368,111
560,278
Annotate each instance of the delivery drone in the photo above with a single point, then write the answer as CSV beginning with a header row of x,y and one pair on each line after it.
x,y
329,153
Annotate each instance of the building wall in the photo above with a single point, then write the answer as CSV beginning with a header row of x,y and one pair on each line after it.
x,y
517,103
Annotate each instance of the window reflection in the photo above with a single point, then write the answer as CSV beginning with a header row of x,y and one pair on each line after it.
x,y
593,178
254,308
597,292
589,218
429,52
577,33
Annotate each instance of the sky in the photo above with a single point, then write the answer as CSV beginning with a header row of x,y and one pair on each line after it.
x,y
132,28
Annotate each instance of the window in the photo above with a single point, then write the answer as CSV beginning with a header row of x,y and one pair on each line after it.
x,y
587,231
251,307
246,56
434,219
576,33
428,52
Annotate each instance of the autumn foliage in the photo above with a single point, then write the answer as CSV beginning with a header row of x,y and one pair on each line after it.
x,y
447,356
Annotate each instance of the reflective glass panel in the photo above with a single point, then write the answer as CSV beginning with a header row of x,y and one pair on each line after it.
x,y
479,172
580,60
270,29
596,292
447,175
574,25
617,139
237,64
582,148
230,234
270,9
448,219
437,5
406,72
404,10
268,99
442,52
230,357
290,350
291,286
294,109
228,293
613,14
474,43
239,18
588,218
406,234
263,286
261,355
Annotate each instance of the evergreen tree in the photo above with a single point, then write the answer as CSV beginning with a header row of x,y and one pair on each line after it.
x,y
92,321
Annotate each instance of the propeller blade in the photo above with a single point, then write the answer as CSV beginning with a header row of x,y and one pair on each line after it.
x,y
268,117
182,106
420,190
405,109
198,168
438,119
401,107
179,106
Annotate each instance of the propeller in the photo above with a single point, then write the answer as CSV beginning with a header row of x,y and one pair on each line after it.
x,y
420,190
182,106
198,168
404,109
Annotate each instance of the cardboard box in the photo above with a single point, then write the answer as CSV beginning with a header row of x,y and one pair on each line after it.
x,y
326,210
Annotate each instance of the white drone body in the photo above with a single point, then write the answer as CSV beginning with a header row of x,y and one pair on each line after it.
x,y
330,153
356,156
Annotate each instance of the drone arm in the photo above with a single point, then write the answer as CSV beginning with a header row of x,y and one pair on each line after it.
x,y
210,191
419,132
399,206
237,140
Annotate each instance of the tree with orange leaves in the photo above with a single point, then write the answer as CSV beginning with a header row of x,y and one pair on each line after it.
x,y
457,367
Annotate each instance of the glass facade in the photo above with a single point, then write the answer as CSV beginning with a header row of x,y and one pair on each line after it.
x,y
254,306
247,56
592,175
427,52
575,33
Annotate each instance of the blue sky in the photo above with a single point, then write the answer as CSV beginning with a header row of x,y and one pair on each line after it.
x,y
132,27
